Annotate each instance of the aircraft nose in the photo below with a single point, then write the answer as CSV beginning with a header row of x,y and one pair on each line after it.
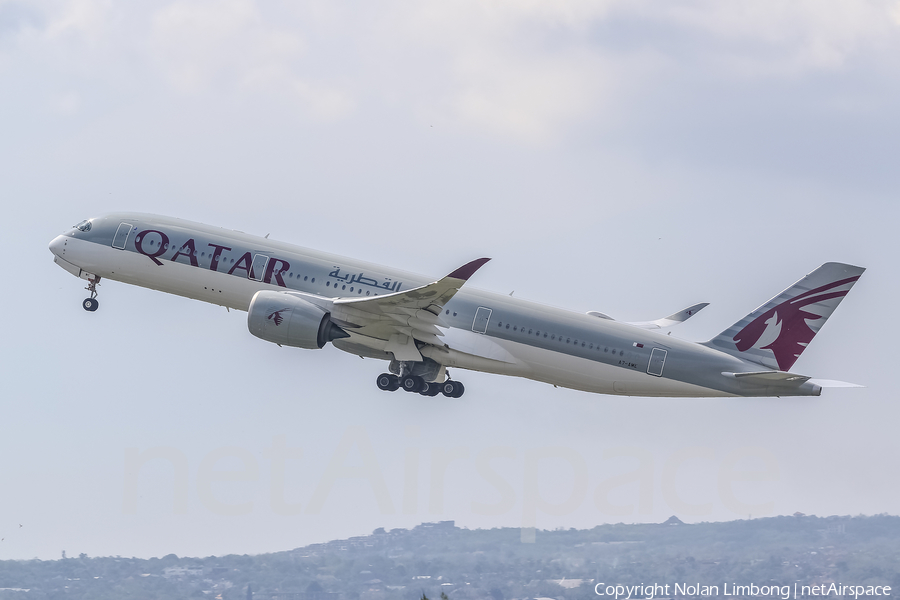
x,y
57,245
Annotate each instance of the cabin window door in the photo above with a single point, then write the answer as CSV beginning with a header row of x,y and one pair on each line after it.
x,y
482,316
657,362
121,236
258,268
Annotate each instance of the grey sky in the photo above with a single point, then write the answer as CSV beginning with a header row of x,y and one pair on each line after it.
x,y
628,157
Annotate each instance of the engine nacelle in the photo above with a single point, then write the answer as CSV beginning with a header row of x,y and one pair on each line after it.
x,y
290,321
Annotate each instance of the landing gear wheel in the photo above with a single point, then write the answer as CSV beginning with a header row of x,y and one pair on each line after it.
x,y
453,389
432,390
387,382
412,383
91,304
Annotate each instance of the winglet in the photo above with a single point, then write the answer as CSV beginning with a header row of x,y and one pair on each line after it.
x,y
468,269
674,319
682,315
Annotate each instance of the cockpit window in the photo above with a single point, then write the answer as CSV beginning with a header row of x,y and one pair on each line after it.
x,y
83,226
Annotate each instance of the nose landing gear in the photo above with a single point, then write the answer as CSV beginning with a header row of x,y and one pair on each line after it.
x,y
91,304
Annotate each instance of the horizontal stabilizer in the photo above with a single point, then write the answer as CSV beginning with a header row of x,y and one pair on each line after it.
x,y
768,377
831,383
674,319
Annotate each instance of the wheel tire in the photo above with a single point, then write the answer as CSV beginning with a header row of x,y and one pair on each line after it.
x,y
90,304
431,389
411,383
448,388
386,382
460,389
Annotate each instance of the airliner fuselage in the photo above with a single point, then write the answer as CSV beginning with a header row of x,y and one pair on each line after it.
x,y
384,313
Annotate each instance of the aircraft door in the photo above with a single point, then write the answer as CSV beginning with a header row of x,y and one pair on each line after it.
x,y
482,316
258,268
657,362
121,236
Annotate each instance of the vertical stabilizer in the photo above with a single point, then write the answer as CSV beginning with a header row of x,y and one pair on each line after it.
x,y
776,333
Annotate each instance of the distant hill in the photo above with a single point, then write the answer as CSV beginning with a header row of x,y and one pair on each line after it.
x,y
493,564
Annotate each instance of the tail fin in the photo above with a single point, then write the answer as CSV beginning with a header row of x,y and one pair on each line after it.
x,y
777,332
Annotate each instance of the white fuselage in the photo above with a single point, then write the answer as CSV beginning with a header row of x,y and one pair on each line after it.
x,y
521,338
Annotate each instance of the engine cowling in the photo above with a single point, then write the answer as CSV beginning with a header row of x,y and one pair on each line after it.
x,y
290,321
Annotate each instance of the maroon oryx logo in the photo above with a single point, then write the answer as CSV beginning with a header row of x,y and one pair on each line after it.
x,y
787,324
276,316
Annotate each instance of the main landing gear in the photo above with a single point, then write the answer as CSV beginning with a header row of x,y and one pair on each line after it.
x,y
91,304
415,383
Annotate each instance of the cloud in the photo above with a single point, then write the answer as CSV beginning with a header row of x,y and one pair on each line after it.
x,y
230,44
532,70
767,37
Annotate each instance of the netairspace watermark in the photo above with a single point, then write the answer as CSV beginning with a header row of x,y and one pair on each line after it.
x,y
515,478
785,592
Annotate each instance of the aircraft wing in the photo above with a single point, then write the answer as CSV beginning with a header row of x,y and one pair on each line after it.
x,y
403,317
674,319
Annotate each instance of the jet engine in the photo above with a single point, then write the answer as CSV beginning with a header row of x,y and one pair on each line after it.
x,y
287,320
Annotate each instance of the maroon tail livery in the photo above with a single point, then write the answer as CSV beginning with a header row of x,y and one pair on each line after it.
x,y
776,334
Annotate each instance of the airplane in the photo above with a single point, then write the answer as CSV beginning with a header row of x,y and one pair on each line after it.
x,y
423,326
